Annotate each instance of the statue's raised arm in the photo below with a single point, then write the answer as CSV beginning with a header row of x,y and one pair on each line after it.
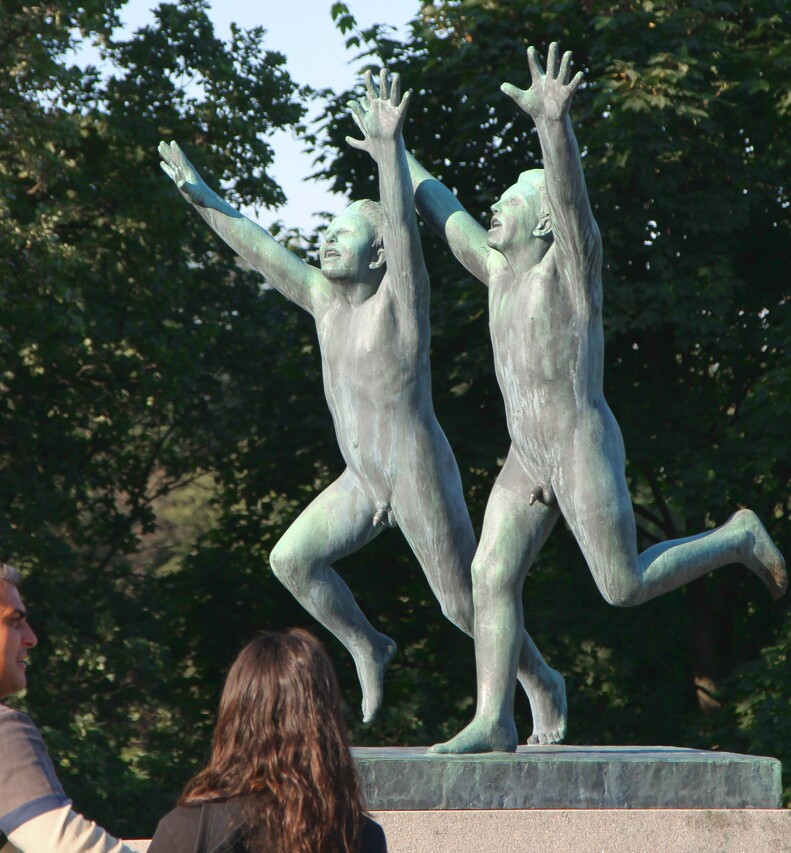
x,y
576,235
296,280
465,236
380,116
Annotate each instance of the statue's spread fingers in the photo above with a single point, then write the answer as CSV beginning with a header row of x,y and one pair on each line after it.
x,y
536,71
575,82
369,85
512,91
405,101
178,157
357,113
565,68
383,84
552,60
395,89
356,143
168,155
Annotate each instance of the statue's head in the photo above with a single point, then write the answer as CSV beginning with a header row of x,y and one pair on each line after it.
x,y
521,213
353,244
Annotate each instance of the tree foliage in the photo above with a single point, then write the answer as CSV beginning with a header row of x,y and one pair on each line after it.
x,y
136,358
162,412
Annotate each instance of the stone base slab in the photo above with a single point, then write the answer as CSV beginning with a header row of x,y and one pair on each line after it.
x,y
579,831
600,831
567,777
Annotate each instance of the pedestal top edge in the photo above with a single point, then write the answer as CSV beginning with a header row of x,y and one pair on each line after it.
x,y
559,751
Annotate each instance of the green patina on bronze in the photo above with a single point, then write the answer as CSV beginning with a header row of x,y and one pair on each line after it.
x,y
568,777
542,262
370,302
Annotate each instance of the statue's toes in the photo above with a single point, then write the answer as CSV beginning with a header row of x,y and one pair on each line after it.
x,y
545,738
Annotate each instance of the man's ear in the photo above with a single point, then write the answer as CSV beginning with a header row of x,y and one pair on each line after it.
x,y
380,259
544,226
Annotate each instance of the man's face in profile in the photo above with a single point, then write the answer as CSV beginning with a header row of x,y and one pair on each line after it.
x,y
16,638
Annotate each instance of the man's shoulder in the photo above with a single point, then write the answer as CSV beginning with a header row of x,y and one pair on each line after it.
x,y
29,785
20,739
10,719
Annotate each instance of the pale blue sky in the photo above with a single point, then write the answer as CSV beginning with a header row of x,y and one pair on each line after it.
x,y
304,31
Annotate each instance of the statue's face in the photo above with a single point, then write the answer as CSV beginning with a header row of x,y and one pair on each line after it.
x,y
347,250
514,217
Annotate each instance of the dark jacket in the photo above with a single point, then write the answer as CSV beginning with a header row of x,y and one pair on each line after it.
x,y
218,828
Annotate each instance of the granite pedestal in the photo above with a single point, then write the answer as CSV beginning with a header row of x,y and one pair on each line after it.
x,y
556,799
581,831
568,777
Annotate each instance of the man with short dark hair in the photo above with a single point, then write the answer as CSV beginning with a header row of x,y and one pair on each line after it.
x,y
35,813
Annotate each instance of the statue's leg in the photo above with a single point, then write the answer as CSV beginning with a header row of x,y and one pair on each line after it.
x,y
598,508
430,510
513,532
332,526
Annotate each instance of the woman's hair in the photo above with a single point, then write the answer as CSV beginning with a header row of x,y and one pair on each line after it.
x,y
280,744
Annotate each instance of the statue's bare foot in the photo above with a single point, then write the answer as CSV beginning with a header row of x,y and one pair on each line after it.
x,y
549,709
481,736
763,558
371,669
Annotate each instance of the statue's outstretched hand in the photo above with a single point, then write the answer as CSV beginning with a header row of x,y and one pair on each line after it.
x,y
549,96
379,115
183,174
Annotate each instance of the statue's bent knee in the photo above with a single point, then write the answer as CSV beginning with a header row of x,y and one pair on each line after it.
x,y
623,595
287,566
460,614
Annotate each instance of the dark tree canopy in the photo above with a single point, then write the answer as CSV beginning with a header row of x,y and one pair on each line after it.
x,y
162,412
131,349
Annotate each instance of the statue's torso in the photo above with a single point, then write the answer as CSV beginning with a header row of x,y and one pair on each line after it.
x,y
375,365
548,353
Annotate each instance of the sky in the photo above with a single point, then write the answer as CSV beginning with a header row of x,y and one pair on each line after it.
x,y
316,55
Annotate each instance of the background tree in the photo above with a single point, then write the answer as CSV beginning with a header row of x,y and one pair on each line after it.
x,y
136,360
162,414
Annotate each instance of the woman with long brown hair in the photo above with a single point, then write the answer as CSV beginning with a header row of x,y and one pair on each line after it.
x,y
280,777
